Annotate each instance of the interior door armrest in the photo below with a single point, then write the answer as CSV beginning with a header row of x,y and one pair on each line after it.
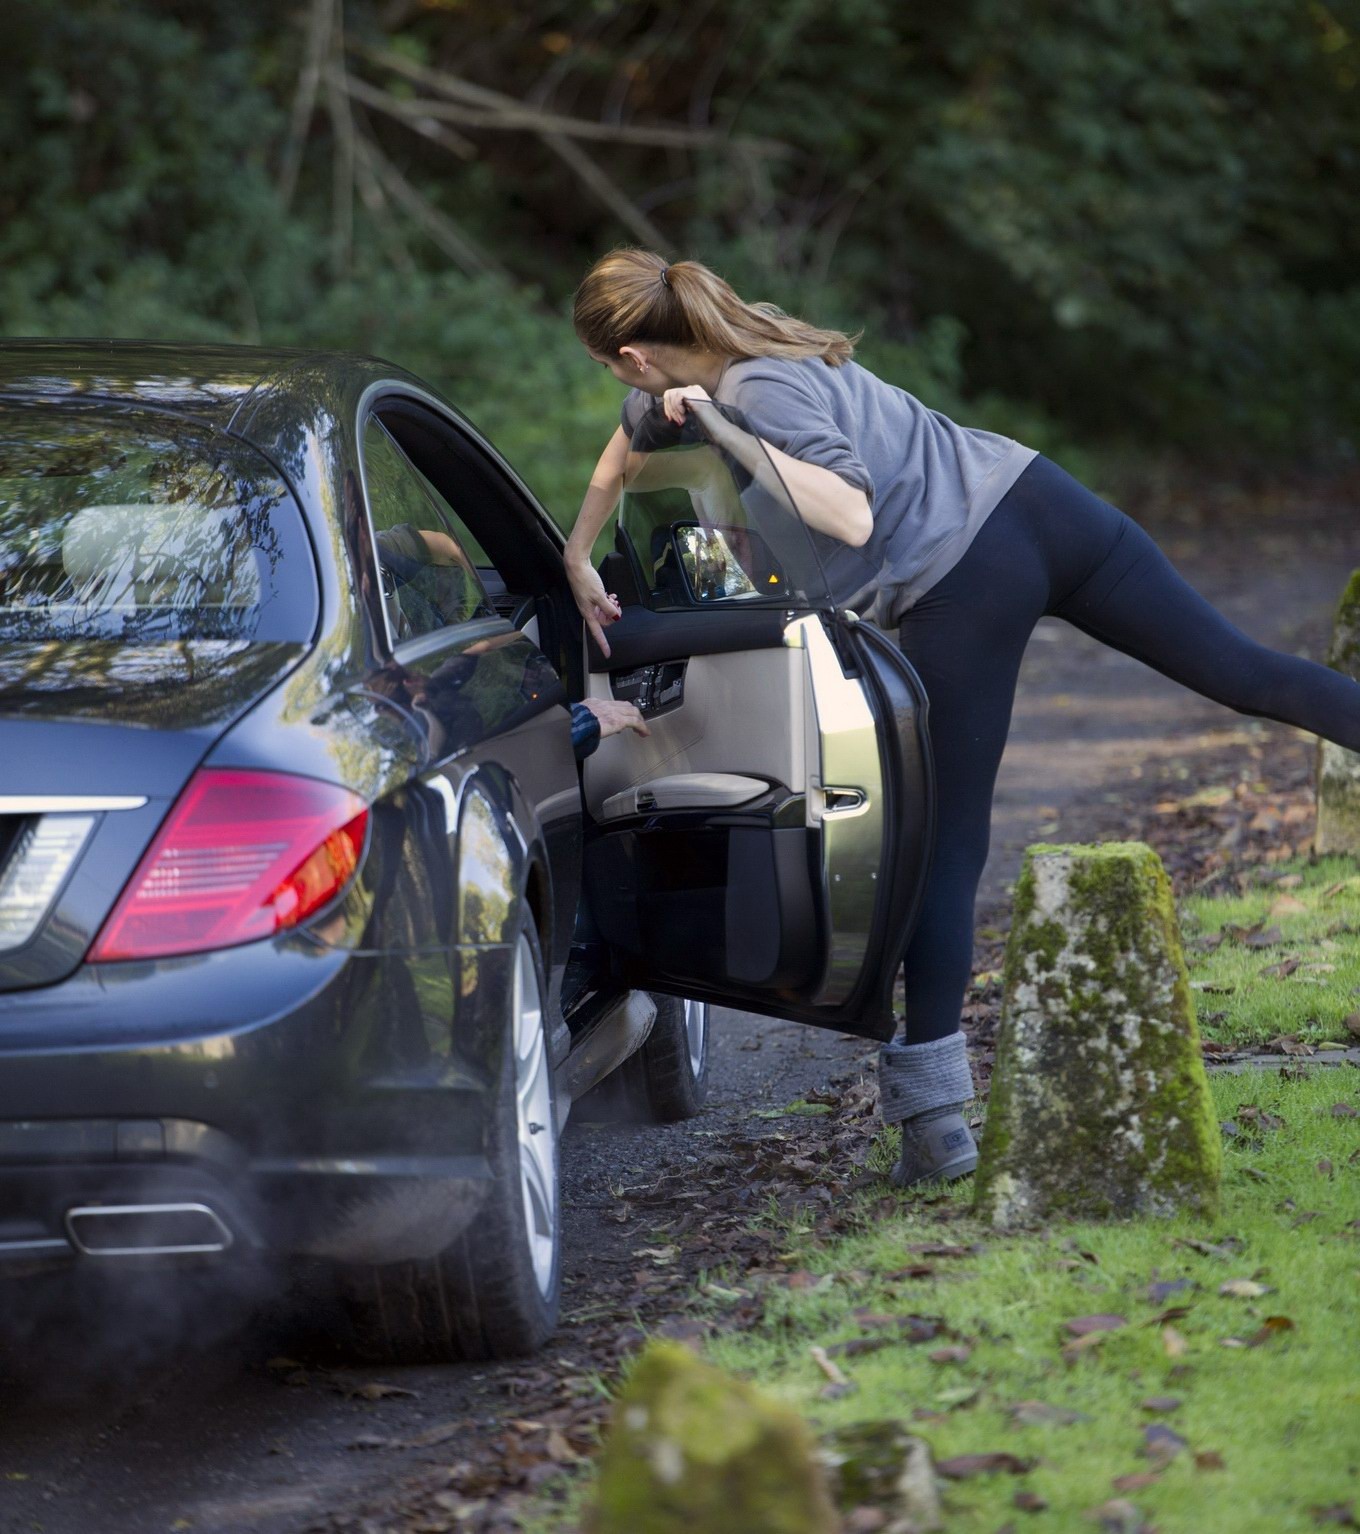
x,y
685,791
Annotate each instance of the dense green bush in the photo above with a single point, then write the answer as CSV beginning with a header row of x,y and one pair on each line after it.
x,y
1068,223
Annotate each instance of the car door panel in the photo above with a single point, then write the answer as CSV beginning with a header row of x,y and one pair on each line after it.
x,y
767,844
798,902
741,713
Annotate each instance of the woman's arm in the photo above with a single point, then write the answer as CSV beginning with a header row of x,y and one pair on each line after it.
x,y
596,605
824,500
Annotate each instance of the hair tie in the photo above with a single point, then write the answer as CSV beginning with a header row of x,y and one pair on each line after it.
x,y
665,281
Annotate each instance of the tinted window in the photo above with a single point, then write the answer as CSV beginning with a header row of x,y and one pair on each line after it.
x,y
427,578
133,528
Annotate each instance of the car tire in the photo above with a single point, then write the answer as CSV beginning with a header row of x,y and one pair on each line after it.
x,y
496,1290
667,1079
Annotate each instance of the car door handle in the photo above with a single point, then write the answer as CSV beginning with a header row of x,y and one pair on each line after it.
x,y
843,803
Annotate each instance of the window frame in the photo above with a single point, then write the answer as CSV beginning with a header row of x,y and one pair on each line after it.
x,y
416,645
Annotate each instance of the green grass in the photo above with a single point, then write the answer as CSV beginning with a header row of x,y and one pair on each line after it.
x,y
1237,1004
1283,1415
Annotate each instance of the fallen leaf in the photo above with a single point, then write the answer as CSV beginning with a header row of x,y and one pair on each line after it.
x,y
1282,970
1258,1118
1173,1344
1287,905
1073,1350
1272,1326
1324,1167
1344,1111
1161,1443
1136,1480
857,1346
1028,1502
660,1255
828,1366
1243,1289
1171,1313
1083,1326
1209,1459
559,1450
1161,1290
1160,1403
1118,1516
1288,1044
954,1355
375,1390
1209,1248
1342,1513
1353,1024
1257,936
441,1432
963,1466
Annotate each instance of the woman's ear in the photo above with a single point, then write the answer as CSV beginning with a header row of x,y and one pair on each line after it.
x,y
636,360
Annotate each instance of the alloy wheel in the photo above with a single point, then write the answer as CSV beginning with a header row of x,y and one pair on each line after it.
x,y
537,1130
696,1032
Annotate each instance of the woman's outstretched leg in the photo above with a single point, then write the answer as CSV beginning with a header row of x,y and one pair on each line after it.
x,y
1137,602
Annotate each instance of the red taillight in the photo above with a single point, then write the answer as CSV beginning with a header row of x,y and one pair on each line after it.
x,y
241,855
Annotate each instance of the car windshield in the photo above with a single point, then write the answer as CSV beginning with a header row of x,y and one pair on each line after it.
x,y
138,529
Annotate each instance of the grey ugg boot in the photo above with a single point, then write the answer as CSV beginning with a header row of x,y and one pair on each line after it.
x,y
924,1087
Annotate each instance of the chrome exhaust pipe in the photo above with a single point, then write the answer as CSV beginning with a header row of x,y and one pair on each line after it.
x,y
147,1230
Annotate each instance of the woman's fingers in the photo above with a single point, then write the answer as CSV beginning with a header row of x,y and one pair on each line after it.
x,y
673,401
597,633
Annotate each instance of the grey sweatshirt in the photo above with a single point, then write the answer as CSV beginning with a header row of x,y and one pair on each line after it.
x,y
931,483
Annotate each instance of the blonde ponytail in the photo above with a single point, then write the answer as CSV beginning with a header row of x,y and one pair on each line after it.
x,y
635,295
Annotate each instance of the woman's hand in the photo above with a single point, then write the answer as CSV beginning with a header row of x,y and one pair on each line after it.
x,y
673,401
596,605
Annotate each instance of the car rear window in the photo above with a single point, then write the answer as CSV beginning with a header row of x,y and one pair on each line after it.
x,y
139,528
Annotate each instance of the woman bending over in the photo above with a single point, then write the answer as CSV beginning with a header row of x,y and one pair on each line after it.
x,y
957,540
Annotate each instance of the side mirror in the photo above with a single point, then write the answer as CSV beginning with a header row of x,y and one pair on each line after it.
x,y
723,564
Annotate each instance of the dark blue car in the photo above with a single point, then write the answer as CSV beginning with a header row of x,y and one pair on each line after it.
x,y
311,925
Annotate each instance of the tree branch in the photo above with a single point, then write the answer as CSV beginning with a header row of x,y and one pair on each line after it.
x,y
502,112
319,23
456,245
419,116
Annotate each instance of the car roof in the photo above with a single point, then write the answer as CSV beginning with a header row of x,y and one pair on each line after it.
x,y
219,384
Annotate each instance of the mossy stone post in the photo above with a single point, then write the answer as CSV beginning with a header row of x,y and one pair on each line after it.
x,y
1338,770
1099,1102
692,1450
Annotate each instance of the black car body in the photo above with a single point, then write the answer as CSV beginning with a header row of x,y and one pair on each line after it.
x,y
316,1073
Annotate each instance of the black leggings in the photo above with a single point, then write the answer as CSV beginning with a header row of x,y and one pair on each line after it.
x,y
1053,547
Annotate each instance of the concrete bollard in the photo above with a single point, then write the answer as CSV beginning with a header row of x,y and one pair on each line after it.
x,y
692,1449
1099,1102
1338,770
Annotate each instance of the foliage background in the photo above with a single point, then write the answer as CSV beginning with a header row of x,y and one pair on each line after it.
x,y
1087,224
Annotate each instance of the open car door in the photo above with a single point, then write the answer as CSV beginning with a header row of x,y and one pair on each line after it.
x,y
767,845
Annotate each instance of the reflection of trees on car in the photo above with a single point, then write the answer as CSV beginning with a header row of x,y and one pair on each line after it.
x,y
715,564
140,563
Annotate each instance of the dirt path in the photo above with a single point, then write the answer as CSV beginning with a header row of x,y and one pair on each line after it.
x,y
154,1416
